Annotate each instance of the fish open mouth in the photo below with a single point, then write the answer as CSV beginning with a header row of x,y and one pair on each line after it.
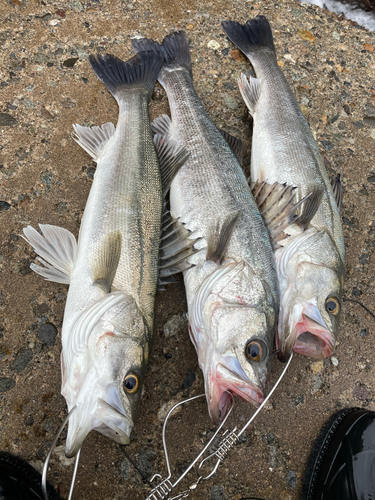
x,y
310,337
226,380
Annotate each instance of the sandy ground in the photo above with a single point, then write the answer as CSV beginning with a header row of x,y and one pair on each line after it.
x,y
46,86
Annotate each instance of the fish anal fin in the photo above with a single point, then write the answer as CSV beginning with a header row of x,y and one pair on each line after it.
x,y
57,250
105,260
250,91
337,188
161,125
93,140
234,143
219,238
171,157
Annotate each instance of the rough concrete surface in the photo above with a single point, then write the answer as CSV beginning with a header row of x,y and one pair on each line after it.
x,y
46,86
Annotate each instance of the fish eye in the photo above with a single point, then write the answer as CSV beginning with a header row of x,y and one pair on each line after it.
x,y
255,350
333,305
131,383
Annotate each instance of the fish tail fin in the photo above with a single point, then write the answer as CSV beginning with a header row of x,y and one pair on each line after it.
x,y
252,36
176,51
139,71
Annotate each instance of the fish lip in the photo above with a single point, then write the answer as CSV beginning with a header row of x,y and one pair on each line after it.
x,y
227,380
99,420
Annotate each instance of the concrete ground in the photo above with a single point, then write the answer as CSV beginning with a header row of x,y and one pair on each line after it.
x,y
46,86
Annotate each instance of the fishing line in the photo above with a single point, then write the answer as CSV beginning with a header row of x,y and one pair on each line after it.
x,y
135,466
360,303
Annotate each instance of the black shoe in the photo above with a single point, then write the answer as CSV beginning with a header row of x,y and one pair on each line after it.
x,y
342,464
20,481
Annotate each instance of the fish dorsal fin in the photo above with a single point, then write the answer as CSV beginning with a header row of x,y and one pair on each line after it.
x,y
219,238
277,205
57,250
336,183
88,319
93,140
171,157
250,91
161,125
234,143
176,246
105,259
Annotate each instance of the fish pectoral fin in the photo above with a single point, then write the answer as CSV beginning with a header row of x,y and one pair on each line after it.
x,y
161,125
336,184
219,237
171,157
176,246
250,91
105,259
234,143
93,140
278,207
57,250
309,208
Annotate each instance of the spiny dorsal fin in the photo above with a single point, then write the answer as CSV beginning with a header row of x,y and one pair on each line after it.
x,y
161,125
105,260
218,240
171,157
176,247
250,91
277,206
57,248
234,143
337,188
93,140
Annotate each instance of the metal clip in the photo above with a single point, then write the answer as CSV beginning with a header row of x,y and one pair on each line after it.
x,y
46,462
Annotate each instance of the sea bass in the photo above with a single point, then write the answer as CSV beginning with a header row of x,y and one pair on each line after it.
x,y
311,261
113,269
232,291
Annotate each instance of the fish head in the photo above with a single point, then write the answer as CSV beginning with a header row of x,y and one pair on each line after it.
x,y
109,392
310,298
236,326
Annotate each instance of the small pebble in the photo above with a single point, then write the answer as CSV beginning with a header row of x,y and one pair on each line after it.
x,y
47,334
292,478
214,45
217,492
317,366
334,361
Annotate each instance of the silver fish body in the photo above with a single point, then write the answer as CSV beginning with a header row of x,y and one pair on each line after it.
x,y
232,300
311,267
113,270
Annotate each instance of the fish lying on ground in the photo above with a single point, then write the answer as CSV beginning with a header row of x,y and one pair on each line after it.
x,y
232,288
311,262
113,270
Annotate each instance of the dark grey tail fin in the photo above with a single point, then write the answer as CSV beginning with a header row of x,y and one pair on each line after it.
x,y
254,34
117,75
175,47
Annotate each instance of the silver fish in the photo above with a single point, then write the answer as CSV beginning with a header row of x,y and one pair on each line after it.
x,y
311,261
113,269
232,289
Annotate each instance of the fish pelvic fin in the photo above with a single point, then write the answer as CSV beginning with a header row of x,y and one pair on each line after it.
x,y
171,157
337,188
57,250
310,207
250,91
105,260
219,238
93,140
252,36
234,143
117,75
